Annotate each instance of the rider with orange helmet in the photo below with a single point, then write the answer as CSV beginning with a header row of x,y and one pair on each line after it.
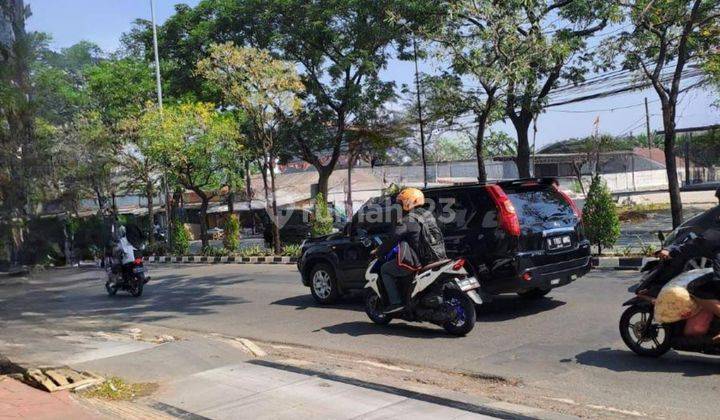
x,y
422,239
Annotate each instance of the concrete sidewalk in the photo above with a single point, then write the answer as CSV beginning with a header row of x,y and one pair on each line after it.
x,y
20,401
206,377
266,390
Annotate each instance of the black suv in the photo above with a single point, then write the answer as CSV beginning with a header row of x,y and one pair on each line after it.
x,y
696,225
523,237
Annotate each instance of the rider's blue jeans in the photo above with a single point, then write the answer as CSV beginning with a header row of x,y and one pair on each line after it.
x,y
391,274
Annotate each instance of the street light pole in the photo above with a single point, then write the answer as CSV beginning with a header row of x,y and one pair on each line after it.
x,y
157,56
160,106
420,114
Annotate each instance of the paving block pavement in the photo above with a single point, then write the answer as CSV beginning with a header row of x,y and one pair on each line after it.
x,y
20,401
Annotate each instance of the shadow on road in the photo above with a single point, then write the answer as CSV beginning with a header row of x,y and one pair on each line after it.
x,y
396,328
505,308
626,361
305,301
84,296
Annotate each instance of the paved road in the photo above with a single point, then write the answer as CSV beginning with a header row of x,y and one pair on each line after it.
x,y
567,345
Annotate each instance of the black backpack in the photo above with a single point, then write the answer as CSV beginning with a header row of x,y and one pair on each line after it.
x,y
432,242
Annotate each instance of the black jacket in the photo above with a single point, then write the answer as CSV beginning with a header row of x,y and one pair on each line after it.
x,y
409,229
706,245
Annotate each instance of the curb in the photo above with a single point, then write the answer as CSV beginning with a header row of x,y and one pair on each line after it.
x,y
197,259
620,263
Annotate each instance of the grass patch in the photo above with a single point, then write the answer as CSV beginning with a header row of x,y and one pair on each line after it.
x,y
115,389
638,212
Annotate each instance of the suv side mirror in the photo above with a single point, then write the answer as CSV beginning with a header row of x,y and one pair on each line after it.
x,y
661,237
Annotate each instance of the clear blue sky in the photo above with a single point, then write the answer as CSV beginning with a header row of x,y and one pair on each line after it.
x,y
103,21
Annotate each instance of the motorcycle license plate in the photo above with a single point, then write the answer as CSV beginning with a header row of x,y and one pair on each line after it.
x,y
558,242
467,283
139,270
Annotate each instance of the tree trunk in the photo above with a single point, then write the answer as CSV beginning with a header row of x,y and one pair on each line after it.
x,y
522,125
203,220
671,166
348,199
479,154
149,193
277,247
324,180
231,203
67,249
249,194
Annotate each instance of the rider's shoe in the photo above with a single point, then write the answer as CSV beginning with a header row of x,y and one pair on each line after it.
x,y
394,309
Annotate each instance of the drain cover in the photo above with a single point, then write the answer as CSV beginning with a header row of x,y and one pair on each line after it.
x,y
57,379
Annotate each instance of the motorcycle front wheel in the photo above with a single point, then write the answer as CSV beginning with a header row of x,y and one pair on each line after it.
x,y
374,309
111,289
464,308
643,341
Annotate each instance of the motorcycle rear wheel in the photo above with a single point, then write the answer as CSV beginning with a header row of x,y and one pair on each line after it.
x,y
631,332
465,307
136,289
374,309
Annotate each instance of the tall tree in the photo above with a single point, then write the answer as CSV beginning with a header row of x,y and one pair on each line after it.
x,y
550,37
267,91
474,37
18,154
119,89
191,141
666,36
341,47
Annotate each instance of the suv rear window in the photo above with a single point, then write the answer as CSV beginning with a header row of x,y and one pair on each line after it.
x,y
541,205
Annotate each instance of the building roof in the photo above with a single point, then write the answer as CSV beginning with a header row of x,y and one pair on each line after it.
x,y
294,187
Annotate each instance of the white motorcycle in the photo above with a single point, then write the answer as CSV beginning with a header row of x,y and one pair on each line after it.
x,y
442,293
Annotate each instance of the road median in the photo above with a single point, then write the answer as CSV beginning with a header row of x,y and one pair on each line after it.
x,y
201,259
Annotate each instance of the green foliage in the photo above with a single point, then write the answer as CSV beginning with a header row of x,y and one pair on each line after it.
x,y
180,238
120,88
322,222
448,149
231,240
292,250
254,251
600,217
211,251
158,248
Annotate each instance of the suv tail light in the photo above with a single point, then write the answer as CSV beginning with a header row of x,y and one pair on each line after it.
x,y
459,264
507,217
570,201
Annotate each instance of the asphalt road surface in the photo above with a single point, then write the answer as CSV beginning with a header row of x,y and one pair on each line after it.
x,y
567,344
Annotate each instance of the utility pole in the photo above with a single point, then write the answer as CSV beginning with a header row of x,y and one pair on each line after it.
x,y
420,115
157,56
647,129
688,139
168,235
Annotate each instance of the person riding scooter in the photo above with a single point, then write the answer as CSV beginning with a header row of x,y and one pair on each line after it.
x,y
419,240
706,290
123,252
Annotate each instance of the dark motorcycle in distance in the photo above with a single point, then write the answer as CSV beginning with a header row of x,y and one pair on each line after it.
x,y
649,338
124,267
129,277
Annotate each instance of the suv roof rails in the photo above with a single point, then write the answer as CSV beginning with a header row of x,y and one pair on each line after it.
x,y
502,183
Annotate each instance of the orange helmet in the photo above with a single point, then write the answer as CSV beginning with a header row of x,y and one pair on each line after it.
x,y
410,198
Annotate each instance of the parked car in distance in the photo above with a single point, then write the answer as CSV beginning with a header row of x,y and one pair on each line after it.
x,y
696,225
522,236
295,225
